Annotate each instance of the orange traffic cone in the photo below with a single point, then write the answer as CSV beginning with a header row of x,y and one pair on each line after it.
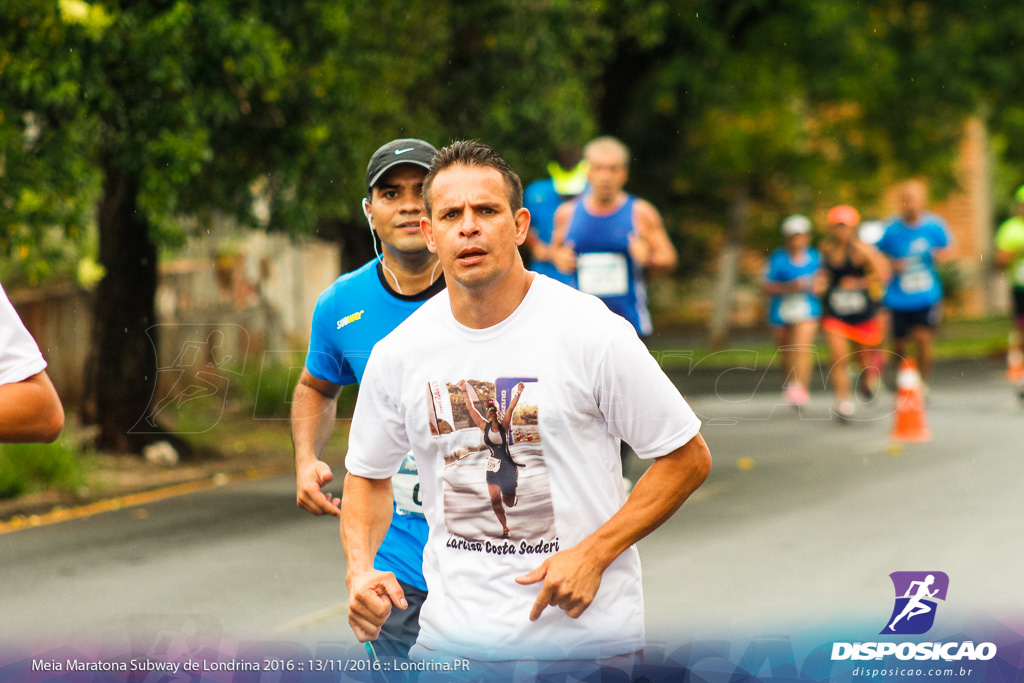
x,y
909,423
1014,364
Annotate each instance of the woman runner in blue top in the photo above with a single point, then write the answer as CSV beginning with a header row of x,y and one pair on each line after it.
x,y
794,310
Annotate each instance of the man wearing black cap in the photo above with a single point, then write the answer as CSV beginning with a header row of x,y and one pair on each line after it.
x,y
352,315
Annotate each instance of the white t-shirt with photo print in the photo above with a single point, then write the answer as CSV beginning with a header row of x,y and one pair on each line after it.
x,y
587,381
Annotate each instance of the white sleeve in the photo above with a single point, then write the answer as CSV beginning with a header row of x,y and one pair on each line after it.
x,y
639,402
377,442
20,357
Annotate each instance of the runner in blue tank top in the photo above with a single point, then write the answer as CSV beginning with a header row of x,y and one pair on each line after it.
x,y
608,237
350,317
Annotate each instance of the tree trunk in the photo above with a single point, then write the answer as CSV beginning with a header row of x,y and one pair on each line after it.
x,y
354,240
728,270
121,373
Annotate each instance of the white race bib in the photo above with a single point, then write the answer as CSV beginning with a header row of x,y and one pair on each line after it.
x,y
602,274
406,488
493,464
917,281
848,301
794,308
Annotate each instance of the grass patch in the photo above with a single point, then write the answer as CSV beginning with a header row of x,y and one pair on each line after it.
x,y
954,340
267,394
966,339
27,468
255,417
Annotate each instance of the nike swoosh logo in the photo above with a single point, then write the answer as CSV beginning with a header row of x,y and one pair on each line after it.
x,y
403,151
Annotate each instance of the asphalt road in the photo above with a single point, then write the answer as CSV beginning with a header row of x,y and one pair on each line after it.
x,y
800,522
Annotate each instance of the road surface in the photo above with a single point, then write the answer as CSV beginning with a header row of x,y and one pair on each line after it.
x,y
800,523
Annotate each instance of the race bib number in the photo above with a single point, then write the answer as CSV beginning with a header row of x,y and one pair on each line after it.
x,y
917,282
493,465
848,301
794,308
603,274
406,488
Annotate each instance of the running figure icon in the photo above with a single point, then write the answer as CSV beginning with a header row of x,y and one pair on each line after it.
x,y
916,605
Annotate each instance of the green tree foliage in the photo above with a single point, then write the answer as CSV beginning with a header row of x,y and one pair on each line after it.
x,y
143,114
45,138
153,118
761,108
806,103
157,110
522,76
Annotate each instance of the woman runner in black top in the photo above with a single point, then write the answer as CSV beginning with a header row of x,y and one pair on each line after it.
x,y
502,471
850,269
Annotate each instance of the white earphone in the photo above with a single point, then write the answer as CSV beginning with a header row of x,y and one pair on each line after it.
x,y
373,236
367,212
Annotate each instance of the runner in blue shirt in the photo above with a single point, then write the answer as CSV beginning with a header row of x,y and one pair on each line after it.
x,y
567,179
350,317
915,242
793,311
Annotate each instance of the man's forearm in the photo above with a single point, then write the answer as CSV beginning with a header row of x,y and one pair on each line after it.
x,y
660,492
30,411
365,518
312,422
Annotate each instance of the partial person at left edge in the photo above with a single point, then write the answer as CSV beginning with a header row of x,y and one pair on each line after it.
x,y
351,316
30,410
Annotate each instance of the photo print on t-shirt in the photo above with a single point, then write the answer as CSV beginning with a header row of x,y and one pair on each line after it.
x,y
493,461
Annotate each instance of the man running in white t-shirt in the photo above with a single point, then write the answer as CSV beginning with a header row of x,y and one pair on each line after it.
x,y
577,380
30,410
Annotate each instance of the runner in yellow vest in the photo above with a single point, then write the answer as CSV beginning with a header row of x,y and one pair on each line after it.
x,y
1010,255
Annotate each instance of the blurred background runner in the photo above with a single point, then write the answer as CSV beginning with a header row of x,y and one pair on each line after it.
x,y
794,309
609,238
1010,255
916,241
567,178
851,271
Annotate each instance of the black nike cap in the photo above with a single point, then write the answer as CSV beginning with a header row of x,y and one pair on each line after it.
x,y
403,151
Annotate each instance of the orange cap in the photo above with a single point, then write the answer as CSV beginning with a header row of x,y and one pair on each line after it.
x,y
843,214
